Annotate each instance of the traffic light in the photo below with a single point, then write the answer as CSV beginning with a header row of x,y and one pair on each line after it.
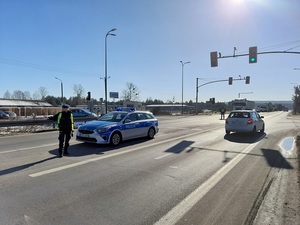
x,y
88,98
247,79
253,54
230,80
214,59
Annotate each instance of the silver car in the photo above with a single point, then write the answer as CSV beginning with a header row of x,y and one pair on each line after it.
x,y
244,121
3,115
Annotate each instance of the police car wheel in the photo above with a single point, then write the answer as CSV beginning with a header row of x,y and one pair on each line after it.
x,y
115,139
151,133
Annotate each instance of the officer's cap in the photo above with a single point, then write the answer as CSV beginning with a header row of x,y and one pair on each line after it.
x,y
65,106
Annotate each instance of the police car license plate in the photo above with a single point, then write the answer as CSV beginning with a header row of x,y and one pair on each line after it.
x,y
84,135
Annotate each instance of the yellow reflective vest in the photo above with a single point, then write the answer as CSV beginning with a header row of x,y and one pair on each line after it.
x,y
60,126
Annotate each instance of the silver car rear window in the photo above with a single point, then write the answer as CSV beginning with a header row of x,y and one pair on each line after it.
x,y
239,115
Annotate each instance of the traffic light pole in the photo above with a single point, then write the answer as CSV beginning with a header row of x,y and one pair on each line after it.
x,y
211,82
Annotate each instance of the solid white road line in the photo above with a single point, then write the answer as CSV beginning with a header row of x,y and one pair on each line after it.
x,y
175,214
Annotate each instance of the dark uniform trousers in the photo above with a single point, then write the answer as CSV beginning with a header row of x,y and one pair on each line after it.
x,y
64,138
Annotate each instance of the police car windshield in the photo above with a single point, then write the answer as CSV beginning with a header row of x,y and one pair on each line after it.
x,y
113,116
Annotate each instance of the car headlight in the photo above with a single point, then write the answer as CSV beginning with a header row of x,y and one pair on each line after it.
x,y
102,129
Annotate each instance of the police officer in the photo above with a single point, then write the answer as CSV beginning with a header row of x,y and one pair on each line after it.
x,y
65,125
222,111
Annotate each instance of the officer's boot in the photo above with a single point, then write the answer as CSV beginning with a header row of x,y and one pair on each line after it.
x,y
60,154
66,149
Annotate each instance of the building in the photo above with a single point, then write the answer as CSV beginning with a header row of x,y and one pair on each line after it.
x,y
27,107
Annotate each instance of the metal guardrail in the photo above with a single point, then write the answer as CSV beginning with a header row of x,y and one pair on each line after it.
x,y
30,122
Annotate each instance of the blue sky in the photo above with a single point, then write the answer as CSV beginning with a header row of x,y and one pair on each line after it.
x,y
43,39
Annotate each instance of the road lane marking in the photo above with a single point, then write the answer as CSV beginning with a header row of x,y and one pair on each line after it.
x,y
175,214
42,173
29,148
163,156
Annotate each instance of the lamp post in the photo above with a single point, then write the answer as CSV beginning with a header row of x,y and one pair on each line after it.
x,y
182,65
105,78
61,89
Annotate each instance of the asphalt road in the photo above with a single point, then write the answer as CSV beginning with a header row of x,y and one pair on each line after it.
x,y
191,173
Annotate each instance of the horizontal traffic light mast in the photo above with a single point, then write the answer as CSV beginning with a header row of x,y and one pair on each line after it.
x,y
229,80
258,53
214,56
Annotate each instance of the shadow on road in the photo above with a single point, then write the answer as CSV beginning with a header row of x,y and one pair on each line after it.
x,y
83,149
275,159
22,167
180,147
245,137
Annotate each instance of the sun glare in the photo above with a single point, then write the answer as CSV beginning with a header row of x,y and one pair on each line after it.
x,y
237,1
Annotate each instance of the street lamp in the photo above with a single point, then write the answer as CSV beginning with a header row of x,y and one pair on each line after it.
x,y
182,65
105,78
61,89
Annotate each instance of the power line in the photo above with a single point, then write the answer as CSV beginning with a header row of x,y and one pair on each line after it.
x,y
43,67
297,42
281,45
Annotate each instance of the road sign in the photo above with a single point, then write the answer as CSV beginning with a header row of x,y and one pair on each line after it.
x,y
114,94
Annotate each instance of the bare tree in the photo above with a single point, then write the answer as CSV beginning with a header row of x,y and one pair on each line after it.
x,y
36,96
78,90
7,95
43,92
131,93
23,95
27,95
17,94
40,94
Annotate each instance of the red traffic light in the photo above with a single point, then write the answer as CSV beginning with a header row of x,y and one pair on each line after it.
x,y
214,59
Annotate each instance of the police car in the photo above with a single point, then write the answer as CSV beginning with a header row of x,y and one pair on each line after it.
x,y
117,126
